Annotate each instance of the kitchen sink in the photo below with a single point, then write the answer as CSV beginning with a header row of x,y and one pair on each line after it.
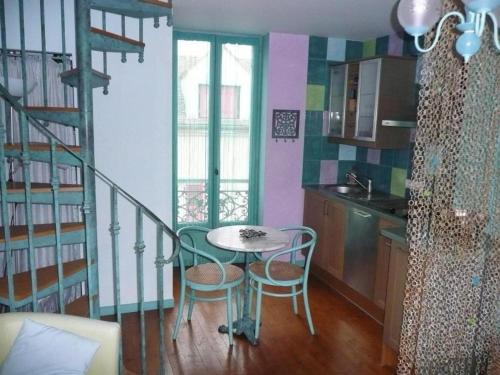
x,y
345,189
377,200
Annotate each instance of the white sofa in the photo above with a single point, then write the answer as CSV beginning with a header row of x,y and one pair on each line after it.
x,y
105,360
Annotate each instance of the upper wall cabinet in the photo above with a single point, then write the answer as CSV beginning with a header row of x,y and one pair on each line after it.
x,y
365,93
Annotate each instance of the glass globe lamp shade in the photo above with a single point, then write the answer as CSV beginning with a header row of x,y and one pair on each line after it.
x,y
467,45
418,16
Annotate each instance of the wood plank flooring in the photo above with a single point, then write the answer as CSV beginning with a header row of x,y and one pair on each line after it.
x,y
347,341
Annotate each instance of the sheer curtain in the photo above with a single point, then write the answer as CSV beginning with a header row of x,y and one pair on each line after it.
x,y
40,172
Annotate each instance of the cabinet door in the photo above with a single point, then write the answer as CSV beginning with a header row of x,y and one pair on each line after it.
x,y
314,213
382,273
383,257
338,76
333,238
396,283
351,103
369,77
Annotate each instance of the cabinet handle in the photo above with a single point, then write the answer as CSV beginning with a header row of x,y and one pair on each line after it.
x,y
361,213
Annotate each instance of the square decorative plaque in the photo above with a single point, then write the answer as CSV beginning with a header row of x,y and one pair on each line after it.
x,y
285,124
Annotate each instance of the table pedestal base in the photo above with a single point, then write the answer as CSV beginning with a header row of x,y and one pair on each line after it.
x,y
243,326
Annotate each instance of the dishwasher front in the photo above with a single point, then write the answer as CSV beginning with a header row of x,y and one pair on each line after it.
x,y
360,252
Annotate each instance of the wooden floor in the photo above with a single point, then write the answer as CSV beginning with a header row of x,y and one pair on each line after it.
x,y
347,341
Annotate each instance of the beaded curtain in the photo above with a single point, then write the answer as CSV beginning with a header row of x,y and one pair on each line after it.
x,y
451,307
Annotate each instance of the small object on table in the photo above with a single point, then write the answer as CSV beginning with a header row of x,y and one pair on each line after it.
x,y
251,233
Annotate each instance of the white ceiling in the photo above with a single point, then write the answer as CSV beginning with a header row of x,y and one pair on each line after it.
x,y
350,19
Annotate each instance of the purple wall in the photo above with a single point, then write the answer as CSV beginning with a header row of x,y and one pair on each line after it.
x,y
283,196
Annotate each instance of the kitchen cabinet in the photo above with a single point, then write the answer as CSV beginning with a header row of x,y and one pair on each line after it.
x,y
314,213
352,259
382,266
396,284
363,93
333,237
327,218
338,77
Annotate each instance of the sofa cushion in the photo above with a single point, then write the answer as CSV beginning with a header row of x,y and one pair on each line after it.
x,y
39,349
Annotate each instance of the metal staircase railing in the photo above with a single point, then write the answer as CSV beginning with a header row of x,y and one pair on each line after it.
x,y
55,152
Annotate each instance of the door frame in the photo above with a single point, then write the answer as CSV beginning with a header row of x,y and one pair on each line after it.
x,y
216,41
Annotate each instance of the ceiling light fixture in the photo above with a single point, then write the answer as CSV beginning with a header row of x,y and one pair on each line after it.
x,y
419,16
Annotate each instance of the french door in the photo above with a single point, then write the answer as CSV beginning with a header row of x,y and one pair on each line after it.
x,y
216,86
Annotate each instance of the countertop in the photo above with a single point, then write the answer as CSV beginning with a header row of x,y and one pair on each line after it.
x,y
396,234
360,204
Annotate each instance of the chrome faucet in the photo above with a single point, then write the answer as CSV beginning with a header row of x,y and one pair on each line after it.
x,y
352,179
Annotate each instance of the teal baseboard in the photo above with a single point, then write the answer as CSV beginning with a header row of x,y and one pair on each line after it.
x,y
134,307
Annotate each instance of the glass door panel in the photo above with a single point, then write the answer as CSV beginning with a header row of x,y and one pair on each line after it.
x,y
235,122
193,127
337,99
368,83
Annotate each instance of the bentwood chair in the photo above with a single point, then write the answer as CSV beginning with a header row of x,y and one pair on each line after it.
x,y
286,274
206,277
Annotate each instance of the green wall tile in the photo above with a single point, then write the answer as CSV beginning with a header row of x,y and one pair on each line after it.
x,y
387,157
361,153
310,172
381,176
401,158
369,48
382,46
315,97
329,151
344,166
409,46
353,50
314,123
312,147
317,73
318,47
398,182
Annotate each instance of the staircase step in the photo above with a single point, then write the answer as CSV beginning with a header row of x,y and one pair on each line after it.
x,y
44,235
101,40
74,271
62,115
41,193
70,77
78,307
134,8
41,152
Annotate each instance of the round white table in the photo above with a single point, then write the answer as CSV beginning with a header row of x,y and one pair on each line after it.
x,y
228,238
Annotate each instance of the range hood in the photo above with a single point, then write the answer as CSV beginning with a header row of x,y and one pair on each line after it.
x,y
399,123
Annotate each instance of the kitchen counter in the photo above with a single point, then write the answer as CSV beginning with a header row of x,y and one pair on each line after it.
x,y
397,234
362,204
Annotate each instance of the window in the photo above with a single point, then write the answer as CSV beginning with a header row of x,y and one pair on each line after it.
x,y
216,129
230,101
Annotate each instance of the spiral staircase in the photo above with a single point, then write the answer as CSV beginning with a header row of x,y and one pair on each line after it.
x,y
19,290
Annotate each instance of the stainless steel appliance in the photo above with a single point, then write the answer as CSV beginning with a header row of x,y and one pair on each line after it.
x,y
360,253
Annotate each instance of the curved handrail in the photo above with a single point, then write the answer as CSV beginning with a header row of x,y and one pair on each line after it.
x,y
108,181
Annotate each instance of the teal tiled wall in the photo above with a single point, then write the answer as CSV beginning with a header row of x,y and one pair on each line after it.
x,y
316,147
327,163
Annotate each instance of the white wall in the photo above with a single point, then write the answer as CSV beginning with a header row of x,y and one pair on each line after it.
x,y
132,136
133,141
